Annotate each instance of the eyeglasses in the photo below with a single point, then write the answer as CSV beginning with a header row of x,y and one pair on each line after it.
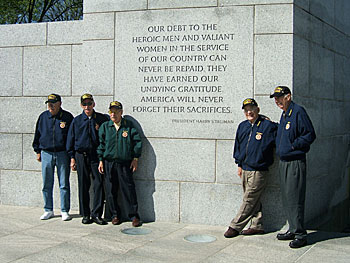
x,y
87,103
114,111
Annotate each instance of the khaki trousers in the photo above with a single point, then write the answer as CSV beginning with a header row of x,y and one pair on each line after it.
x,y
253,183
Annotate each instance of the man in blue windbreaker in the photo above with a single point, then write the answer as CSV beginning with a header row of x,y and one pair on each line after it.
x,y
82,143
294,136
50,146
253,153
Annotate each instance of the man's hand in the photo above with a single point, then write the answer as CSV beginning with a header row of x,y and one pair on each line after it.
x,y
38,157
100,167
73,165
240,172
133,165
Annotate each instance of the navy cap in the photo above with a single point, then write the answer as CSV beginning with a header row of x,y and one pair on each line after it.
x,y
280,91
53,98
116,104
249,101
86,96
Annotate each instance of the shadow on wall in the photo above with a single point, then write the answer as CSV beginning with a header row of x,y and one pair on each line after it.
x,y
144,176
333,193
273,212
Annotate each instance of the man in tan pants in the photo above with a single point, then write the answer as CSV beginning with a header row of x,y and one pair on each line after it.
x,y
253,153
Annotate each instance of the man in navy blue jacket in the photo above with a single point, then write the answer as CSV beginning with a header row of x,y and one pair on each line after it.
x,y
50,146
294,136
82,143
253,153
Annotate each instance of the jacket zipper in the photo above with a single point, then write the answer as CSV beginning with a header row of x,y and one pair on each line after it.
x,y
53,134
250,135
284,121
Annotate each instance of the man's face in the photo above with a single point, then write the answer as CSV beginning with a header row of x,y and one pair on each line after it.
x,y
251,113
115,114
283,102
54,108
88,106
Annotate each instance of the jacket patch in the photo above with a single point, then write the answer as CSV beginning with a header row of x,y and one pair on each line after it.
x,y
258,136
62,124
288,125
125,133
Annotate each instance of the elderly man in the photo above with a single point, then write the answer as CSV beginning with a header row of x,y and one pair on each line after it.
x,y
82,143
119,150
50,146
253,152
294,136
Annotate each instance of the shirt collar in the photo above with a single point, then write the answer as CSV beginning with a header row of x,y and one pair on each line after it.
x,y
87,117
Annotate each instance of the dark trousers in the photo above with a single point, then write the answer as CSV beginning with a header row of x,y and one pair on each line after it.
x,y
120,177
293,188
87,165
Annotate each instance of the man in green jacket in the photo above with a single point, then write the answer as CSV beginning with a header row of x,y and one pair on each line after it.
x,y
118,152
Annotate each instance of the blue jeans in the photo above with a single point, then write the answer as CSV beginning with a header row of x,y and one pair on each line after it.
x,y
48,162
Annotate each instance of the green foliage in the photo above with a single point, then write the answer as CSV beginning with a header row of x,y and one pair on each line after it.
x,y
29,11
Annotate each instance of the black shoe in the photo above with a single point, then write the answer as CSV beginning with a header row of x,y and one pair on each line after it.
x,y
297,243
86,220
285,236
99,221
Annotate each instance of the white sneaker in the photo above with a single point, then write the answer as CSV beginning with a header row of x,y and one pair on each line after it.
x,y
65,216
47,215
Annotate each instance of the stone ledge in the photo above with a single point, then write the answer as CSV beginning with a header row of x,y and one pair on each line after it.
x,y
23,35
93,6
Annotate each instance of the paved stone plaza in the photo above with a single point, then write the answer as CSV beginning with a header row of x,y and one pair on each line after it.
x,y
25,238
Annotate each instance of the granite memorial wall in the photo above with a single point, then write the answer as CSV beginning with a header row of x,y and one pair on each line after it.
x,y
181,70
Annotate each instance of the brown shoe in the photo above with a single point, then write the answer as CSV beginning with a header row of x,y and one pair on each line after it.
x,y
136,222
231,233
116,221
253,231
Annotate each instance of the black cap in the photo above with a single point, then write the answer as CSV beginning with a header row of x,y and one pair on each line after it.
x,y
86,96
249,101
280,91
53,98
116,104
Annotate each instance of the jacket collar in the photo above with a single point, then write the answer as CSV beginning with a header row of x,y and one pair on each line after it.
x,y
59,114
111,123
257,121
289,111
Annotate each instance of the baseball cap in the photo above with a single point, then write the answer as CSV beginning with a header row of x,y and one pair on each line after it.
x,y
280,91
86,96
249,101
53,98
116,104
